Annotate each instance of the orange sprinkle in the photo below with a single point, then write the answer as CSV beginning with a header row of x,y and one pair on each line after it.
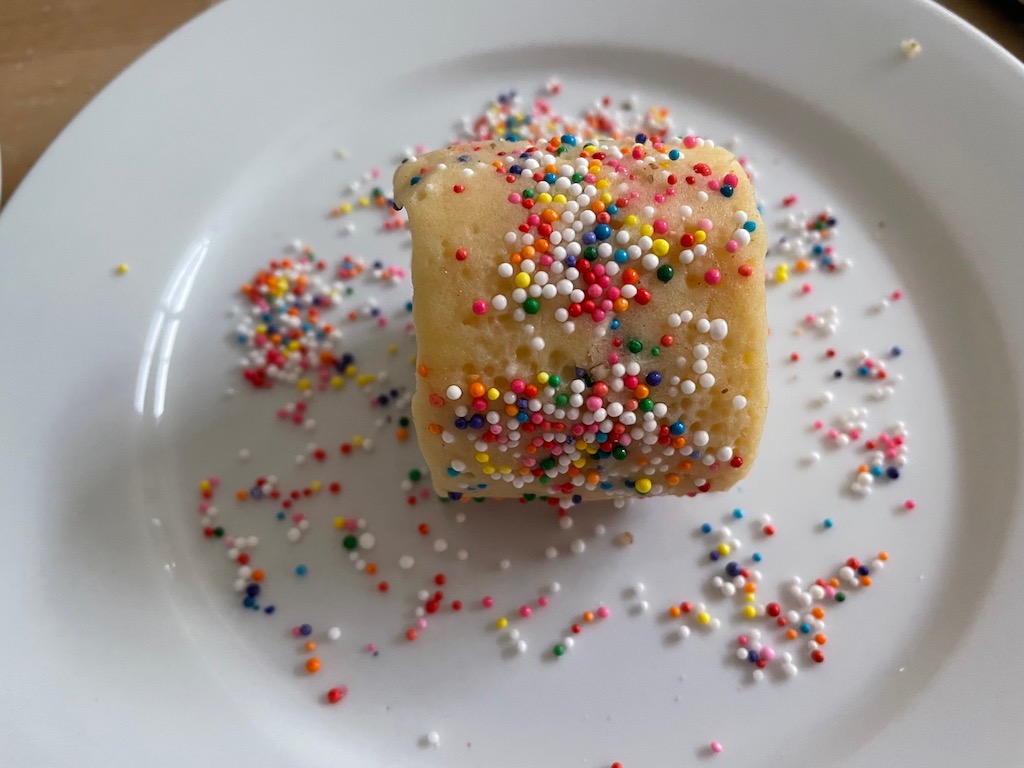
x,y
371,568
476,389
593,478
549,216
529,251
675,611
833,582
435,429
685,466
641,391
421,369
541,245
516,258
310,646
620,304
802,265
678,442
588,616
402,434
241,495
750,587
883,556
630,276
258,574
597,206
820,639
865,581
313,665
672,478
791,634
818,612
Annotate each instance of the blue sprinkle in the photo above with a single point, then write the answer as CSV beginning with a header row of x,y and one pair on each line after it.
x,y
673,154
895,351
550,178
452,472
615,324
620,256
306,630
756,557
677,429
269,610
252,590
805,628
603,231
726,190
641,138
568,138
892,473
863,570
737,513
281,515
706,528
414,181
828,522
301,570
876,471
713,555
750,226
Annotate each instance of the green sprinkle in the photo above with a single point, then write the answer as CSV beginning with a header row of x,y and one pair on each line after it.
x,y
635,346
558,650
665,273
350,542
415,475
531,306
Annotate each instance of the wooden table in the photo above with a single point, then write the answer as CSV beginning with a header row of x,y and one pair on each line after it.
x,y
55,56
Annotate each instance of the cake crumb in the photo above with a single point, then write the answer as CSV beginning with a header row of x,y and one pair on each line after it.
x,y
910,47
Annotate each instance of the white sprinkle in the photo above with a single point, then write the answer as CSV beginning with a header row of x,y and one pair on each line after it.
x,y
910,47
433,738
334,633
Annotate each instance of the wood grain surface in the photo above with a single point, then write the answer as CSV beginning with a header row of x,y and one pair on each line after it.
x,y
55,56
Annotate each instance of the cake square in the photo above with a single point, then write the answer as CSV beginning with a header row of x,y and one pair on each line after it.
x,y
590,317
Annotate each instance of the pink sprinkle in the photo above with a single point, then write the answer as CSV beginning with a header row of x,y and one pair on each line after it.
x,y
690,142
542,601
593,403
789,200
660,226
371,647
767,653
421,623
603,612
712,277
805,288
716,747
897,295
515,197
525,611
909,504
706,224
713,185
731,179
479,307
833,433
487,602
296,631
742,640
732,246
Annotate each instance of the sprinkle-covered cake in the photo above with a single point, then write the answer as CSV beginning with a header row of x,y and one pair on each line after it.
x,y
590,317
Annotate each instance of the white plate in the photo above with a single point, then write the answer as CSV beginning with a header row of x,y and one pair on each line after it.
x,y
123,643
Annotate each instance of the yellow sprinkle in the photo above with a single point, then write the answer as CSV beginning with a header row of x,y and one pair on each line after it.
x,y
261,329
704,617
483,458
364,202
700,236
724,549
580,463
522,280
205,485
351,370
303,384
392,348
501,623
542,377
315,486
366,378
488,470
337,382
659,247
606,198
122,269
646,230
629,220
493,393
603,184
504,470
594,168
357,441
558,199
750,597
293,345
339,523
750,612
345,208
781,273
643,485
